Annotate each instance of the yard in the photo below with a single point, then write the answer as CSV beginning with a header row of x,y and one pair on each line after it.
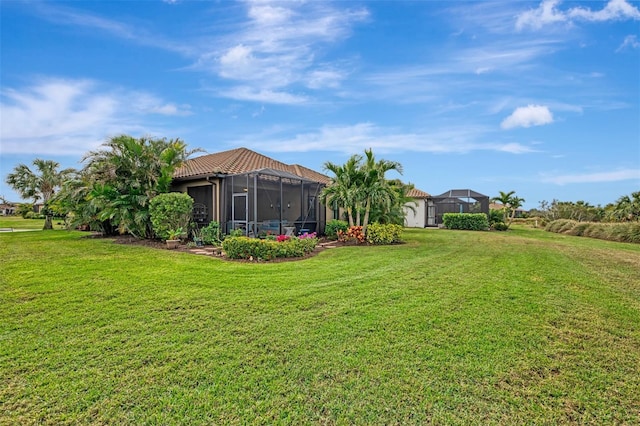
x,y
453,327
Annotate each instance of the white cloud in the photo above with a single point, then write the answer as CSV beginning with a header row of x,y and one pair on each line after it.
x,y
615,10
61,117
248,93
630,42
545,14
609,176
279,46
548,13
531,115
357,137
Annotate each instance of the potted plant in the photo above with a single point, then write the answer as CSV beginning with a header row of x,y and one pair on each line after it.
x,y
173,238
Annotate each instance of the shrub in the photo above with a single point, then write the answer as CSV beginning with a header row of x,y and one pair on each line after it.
x,y
257,249
335,225
24,209
170,211
622,232
384,234
499,226
353,233
211,233
468,221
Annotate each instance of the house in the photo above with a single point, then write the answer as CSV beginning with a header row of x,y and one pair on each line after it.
x,y
242,189
459,201
417,213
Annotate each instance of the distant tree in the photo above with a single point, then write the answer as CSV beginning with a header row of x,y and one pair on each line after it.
x,y
626,208
510,204
580,211
40,183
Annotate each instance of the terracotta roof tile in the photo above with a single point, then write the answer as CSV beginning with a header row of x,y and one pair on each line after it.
x,y
240,160
416,193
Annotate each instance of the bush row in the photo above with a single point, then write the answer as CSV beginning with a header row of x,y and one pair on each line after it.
x,y
623,232
257,249
468,221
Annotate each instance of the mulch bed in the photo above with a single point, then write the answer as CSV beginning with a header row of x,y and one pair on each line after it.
x,y
157,244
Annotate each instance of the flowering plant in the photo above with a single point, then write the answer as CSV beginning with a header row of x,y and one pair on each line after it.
x,y
308,235
282,238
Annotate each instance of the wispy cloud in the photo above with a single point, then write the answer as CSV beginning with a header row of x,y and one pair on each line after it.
x,y
278,47
531,115
64,15
357,137
549,12
56,116
630,42
608,176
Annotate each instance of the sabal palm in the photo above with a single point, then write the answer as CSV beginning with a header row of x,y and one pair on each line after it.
x,y
39,184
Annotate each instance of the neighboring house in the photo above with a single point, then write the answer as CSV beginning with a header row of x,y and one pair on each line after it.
x,y
7,209
458,201
242,189
416,214
498,206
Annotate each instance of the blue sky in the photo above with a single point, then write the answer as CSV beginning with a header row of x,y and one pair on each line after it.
x,y
542,98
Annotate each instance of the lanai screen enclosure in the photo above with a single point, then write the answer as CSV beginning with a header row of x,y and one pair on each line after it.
x,y
275,202
460,201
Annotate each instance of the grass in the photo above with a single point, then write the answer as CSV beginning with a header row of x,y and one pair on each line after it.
x,y
454,327
17,222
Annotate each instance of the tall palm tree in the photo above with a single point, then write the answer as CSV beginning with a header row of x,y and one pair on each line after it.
x,y
40,183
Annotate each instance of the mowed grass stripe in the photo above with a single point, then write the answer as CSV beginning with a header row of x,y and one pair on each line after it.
x,y
452,327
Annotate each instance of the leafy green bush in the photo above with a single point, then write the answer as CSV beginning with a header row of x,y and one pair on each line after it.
x,y
335,225
257,249
170,211
468,221
33,215
211,233
384,234
24,209
499,226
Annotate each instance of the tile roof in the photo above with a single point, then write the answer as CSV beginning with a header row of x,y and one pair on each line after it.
x,y
416,193
240,160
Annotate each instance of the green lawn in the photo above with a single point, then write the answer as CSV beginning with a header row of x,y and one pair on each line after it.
x,y
519,327
17,222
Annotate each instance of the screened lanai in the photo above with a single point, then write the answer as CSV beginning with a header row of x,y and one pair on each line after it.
x,y
271,202
460,201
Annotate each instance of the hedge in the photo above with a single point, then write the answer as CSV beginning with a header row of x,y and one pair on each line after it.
x,y
257,249
468,221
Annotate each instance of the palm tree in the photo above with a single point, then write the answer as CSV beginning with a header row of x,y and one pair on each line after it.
x,y
627,208
376,189
39,184
510,203
126,174
343,189
395,213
